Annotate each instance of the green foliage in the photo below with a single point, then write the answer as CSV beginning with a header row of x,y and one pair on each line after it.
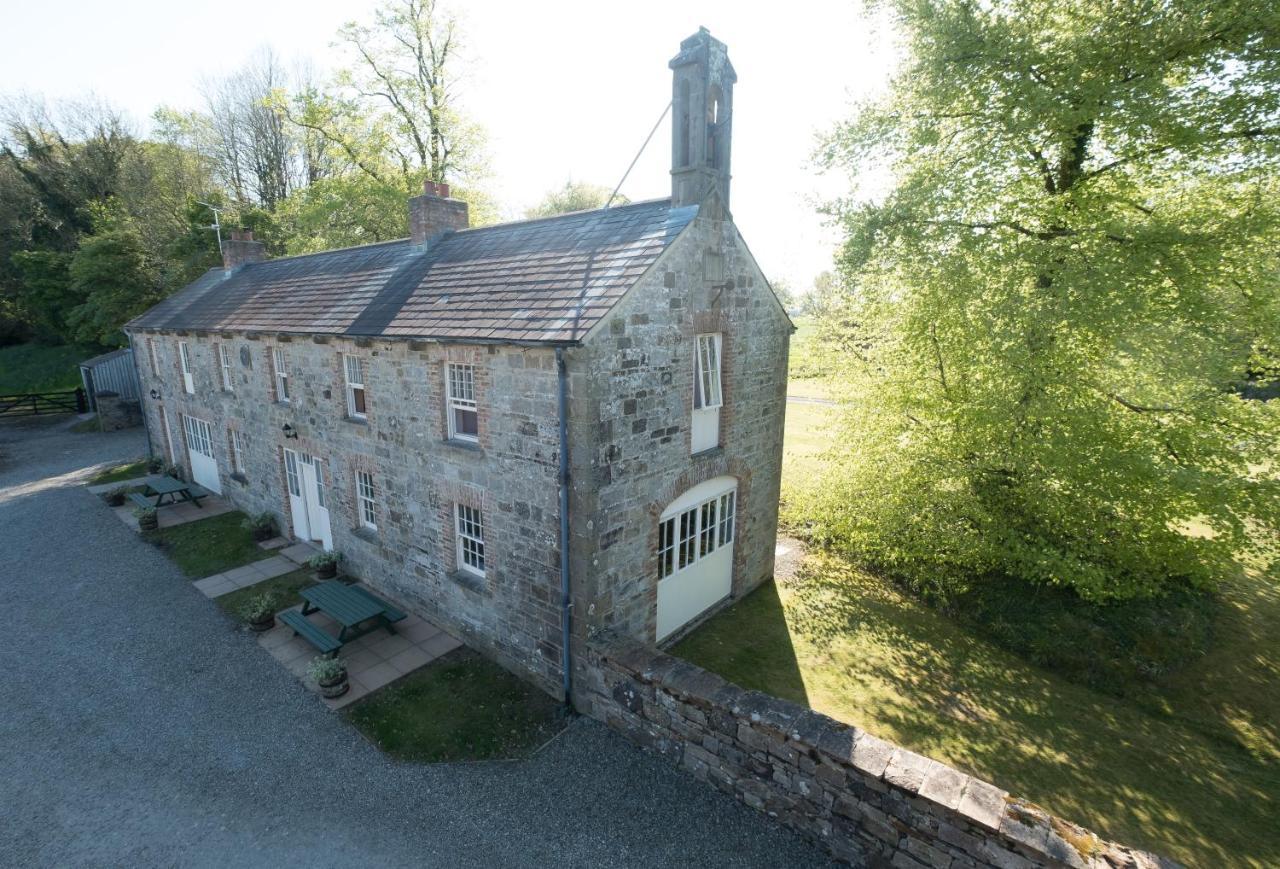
x,y
44,291
112,273
573,196
209,546
41,368
1054,299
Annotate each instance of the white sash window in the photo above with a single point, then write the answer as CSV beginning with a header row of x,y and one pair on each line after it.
x,y
354,369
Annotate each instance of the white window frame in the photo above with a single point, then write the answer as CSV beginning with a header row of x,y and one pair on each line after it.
x,y
708,393
366,500
292,479
224,360
692,534
468,525
280,369
184,360
460,392
322,489
155,360
237,452
355,382
199,435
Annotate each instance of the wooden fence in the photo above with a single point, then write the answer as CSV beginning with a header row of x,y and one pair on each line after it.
x,y
36,403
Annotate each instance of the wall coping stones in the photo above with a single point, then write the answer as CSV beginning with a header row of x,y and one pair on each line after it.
x,y
860,796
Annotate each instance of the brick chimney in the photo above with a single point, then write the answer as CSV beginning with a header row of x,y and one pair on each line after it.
x,y
434,213
240,249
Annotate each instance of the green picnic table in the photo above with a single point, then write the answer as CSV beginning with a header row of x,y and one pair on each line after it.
x,y
357,610
175,491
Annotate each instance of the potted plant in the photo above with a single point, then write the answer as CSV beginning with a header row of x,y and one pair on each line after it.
x,y
155,465
147,518
115,497
262,526
325,564
260,612
174,471
330,674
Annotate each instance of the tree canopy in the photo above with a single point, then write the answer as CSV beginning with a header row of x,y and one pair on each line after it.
x,y
1053,304
573,196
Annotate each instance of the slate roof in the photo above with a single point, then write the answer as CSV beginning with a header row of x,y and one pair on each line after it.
x,y
547,281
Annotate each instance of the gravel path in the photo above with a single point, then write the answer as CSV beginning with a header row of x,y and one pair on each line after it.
x,y
138,727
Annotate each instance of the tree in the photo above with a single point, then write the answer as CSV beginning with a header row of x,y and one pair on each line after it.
x,y
111,273
1057,293
573,196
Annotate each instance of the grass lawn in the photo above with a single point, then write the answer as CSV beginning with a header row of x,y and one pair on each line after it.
x,y
41,368
461,707
120,472
208,546
283,588
1189,768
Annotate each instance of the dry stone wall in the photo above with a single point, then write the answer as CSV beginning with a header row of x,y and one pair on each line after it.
x,y
869,802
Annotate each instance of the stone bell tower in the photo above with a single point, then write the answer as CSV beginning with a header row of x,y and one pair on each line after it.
x,y
702,119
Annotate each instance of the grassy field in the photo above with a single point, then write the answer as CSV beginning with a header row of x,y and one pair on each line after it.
x,y
40,368
1189,768
461,707
209,546
282,589
121,472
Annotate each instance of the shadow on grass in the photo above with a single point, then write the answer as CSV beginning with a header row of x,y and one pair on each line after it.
x,y
861,652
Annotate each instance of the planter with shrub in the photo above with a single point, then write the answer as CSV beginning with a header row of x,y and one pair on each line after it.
x,y
147,518
260,612
115,497
155,465
262,526
325,564
330,675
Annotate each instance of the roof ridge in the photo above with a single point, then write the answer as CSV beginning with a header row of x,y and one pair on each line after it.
x,y
562,215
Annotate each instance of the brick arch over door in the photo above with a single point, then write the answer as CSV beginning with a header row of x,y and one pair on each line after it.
x,y
704,469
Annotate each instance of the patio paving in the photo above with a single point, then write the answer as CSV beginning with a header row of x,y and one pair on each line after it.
x,y
374,660
245,576
178,514
300,552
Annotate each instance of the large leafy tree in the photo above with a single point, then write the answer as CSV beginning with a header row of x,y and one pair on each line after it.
x,y
1075,259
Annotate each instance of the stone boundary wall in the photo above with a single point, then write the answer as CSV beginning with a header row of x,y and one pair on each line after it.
x,y
867,801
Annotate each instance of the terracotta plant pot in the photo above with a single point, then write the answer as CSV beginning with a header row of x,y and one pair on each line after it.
x,y
259,626
328,571
335,687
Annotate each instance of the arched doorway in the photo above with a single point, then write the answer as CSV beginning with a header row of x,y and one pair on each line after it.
x,y
695,552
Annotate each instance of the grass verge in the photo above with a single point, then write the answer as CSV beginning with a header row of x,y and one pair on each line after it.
x,y
120,472
208,546
460,707
282,589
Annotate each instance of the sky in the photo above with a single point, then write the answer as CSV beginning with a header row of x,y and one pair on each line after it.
x,y
565,89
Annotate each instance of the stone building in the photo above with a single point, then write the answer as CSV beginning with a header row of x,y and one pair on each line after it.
x,y
455,410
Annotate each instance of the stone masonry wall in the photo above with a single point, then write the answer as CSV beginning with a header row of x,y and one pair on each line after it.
x,y
869,802
419,475
632,397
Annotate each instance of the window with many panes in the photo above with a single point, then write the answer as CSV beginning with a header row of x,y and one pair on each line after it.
x,y
364,496
695,533
224,362
469,524
237,452
291,473
706,385
353,366
184,359
461,394
281,367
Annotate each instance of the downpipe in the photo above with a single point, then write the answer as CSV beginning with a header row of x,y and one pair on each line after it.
x,y
566,601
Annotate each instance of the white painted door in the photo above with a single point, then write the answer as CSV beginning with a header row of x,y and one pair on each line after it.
x,y
297,504
204,467
316,495
695,553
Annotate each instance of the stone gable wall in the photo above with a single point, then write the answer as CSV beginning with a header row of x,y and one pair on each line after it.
x,y
632,394
869,802
513,612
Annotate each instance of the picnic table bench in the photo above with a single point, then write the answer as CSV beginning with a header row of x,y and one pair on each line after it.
x,y
161,488
356,610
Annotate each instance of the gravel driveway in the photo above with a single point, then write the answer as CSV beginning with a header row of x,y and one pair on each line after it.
x,y
138,727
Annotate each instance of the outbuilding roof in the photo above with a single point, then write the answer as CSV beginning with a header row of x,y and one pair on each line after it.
x,y
546,281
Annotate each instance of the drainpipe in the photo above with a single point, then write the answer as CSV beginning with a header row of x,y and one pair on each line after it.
x,y
566,603
137,387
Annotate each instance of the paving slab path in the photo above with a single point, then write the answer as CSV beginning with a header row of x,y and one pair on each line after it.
x,y
140,727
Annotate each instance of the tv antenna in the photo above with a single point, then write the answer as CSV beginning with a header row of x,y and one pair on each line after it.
x,y
216,226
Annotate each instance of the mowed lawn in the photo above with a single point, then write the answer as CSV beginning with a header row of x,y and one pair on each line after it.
x,y
1190,769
